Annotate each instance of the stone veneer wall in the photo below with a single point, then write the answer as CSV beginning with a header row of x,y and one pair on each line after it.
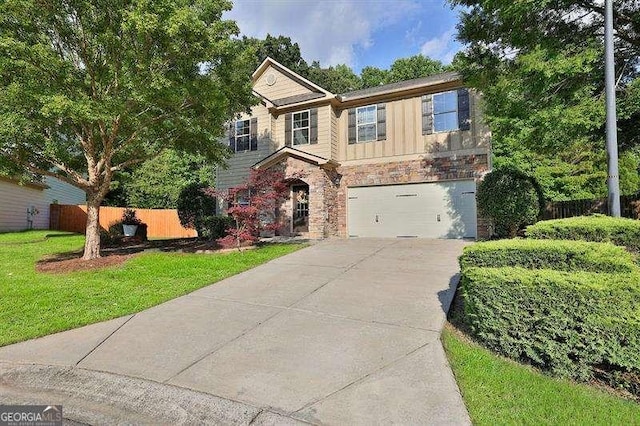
x,y
424,170
322,197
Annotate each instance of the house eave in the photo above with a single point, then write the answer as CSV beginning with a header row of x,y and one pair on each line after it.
x,y
287,151
295,76
411,88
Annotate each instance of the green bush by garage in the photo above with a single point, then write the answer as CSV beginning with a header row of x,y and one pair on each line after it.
x,y
572,324
549,254
619,231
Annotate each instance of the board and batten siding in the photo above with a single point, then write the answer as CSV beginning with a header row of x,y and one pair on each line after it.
x,y
16,200
282,88
404,134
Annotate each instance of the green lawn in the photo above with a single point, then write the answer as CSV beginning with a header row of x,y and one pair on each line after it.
x,y
501,392
34,304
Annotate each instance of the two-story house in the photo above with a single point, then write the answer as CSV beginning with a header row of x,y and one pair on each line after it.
x,y
398,160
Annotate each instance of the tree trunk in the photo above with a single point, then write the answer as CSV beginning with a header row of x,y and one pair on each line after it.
x,y
92,234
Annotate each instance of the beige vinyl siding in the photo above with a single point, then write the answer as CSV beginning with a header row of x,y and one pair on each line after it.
x,y
283,87
239,163
404,134
335,134
323,147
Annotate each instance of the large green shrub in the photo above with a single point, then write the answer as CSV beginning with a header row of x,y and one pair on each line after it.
x,y
510,199
215,227
571,324
196,207
619,231
549,254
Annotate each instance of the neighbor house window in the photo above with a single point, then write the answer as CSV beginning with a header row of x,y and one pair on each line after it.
x,y
366,123
300,123
445,111
243,136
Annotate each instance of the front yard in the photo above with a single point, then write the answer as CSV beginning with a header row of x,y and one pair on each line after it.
x,y
498,391
544,330
34,304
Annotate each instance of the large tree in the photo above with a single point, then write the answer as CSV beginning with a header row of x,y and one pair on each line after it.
x,y
280,48
539,65
91,87
157,183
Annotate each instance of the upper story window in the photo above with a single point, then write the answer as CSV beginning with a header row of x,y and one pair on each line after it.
x,y
243,135
366,123
445,111
301,127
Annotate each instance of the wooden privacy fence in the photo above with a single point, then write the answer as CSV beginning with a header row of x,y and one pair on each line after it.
x,y
161,223
629,207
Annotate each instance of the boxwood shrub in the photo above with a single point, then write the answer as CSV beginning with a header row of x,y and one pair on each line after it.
x,y
571,324
619,231
549,254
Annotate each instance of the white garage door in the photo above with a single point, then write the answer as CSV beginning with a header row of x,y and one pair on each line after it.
x,y
426,210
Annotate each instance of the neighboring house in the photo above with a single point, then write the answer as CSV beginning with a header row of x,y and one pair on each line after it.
x,y
26,206
399,160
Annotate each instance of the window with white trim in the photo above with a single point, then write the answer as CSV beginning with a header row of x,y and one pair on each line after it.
x,y
366,123
300,124
243,136
445,111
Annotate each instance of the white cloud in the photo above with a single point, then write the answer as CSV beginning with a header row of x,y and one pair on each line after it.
x,y
444,47
326,30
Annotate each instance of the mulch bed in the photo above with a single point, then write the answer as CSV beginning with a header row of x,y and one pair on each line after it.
x,y
118,253
57,266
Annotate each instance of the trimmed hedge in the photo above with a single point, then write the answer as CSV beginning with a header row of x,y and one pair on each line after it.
x,y
600,228
571,324
549,254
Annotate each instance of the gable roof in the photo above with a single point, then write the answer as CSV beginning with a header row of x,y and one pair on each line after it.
x,y
289,100
291,74
288,151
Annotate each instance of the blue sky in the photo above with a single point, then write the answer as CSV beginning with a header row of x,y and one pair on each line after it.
x,y
355,32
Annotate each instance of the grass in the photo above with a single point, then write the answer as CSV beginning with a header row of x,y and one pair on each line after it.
x,y
498,391
34,304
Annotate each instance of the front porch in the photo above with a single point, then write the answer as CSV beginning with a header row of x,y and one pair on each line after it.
x,y
310,210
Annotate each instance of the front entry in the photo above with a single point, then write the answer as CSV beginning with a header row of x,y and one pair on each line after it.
x,y
300,196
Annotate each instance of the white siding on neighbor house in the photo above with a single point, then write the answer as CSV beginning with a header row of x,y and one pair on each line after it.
x,y
16,199
62,193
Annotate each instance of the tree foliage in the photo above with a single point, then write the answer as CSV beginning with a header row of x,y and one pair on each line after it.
x,y
540,68
510,199
156,183
340,78
254,206
89,88
195,207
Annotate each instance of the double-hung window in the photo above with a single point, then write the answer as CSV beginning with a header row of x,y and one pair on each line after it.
x,y
300,123
366,123
243,136
445,111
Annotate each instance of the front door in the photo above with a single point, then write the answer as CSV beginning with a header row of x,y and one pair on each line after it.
x,y
300,208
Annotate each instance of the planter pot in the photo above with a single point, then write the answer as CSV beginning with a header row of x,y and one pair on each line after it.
x,y
129,230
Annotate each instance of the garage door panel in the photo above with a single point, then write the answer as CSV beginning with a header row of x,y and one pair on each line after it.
x,y
431,210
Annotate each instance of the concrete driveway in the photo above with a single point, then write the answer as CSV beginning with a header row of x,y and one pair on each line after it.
x,y
342,332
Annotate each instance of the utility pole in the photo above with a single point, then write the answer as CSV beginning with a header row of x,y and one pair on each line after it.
x,y
613,181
